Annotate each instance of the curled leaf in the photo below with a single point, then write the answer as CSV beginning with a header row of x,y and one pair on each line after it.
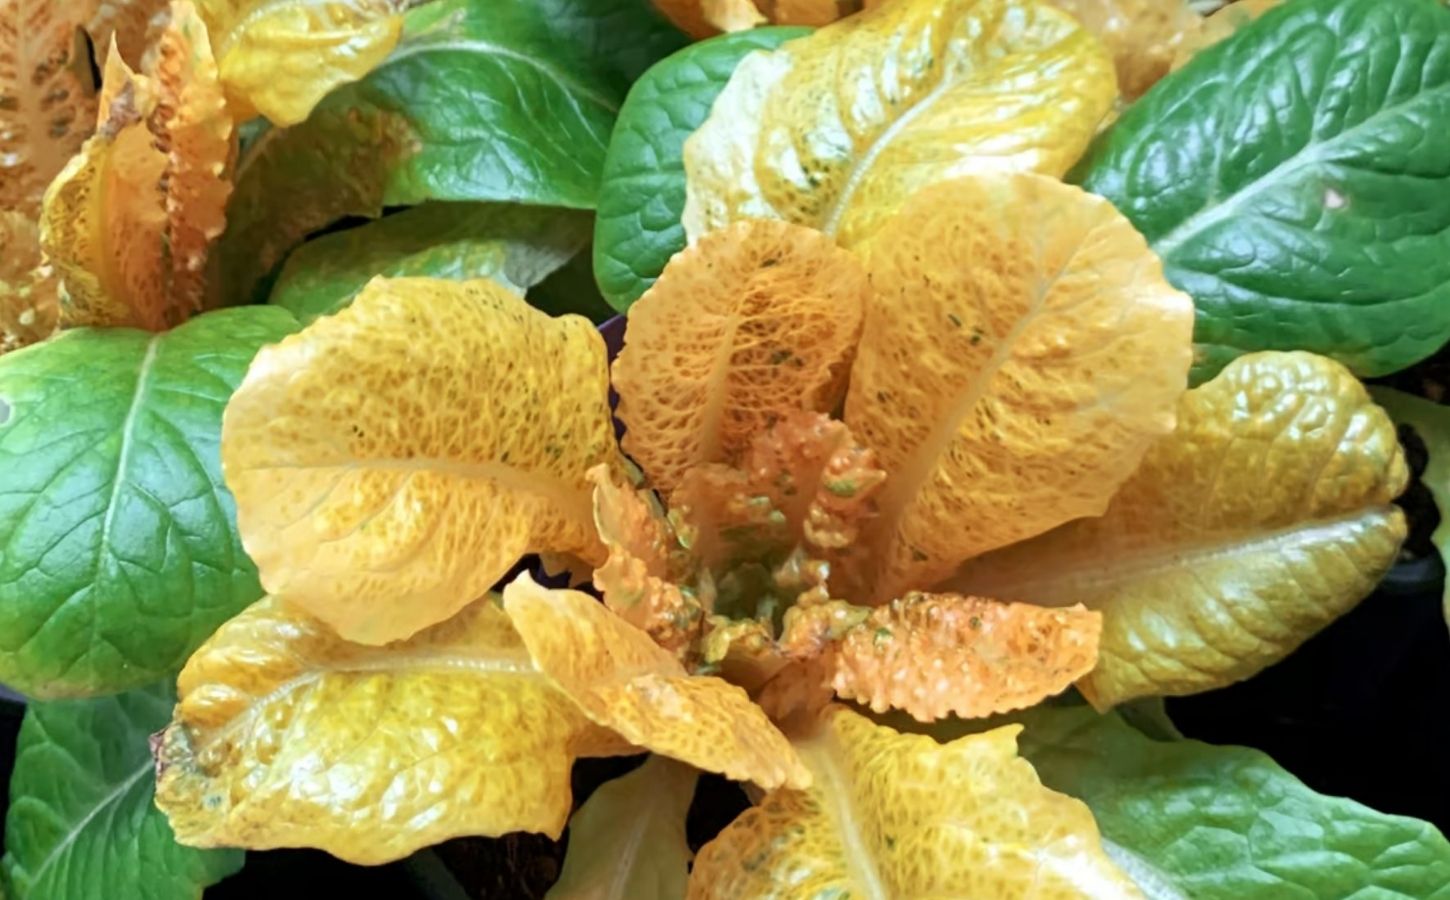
x,y
1263,517
28,311
757,320
1142,35
1020,353
935,655
279,57
286,735
47,96
393,461
835,129
899,815
626,683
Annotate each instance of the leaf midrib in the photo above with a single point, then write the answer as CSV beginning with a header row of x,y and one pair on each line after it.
x,y
106,801
1208,216
832,785
562,79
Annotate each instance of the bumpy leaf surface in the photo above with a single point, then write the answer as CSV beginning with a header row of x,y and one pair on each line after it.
x,y
279,57
755,321
1142,35
642,191
899,815
133,24
628,841
1188,819
121,554
1264,516
286,735
28,310
517,246
82,824
626,683
1293,180
837,129
393,461
1021,351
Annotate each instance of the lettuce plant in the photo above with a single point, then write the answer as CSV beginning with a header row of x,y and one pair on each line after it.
x,y
992,371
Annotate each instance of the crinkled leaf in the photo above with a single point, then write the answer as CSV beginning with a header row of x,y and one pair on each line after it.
x,y
628,841
133,24
506,101
1263,517
28,310
1219,25
1021,351
642,192
1142,35
121,556
393,461
899,815
1188,819
836,129
47,96
82,825
280,57
517,246
934,655
755,321
625,682
286,735
1431,421
127,224
1293,180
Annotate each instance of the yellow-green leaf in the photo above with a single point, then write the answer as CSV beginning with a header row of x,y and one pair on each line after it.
x,y
626,683
1261,519
1020,353
756,320
279,57
47,96
836,129
899,815
628,841
288,736
391,462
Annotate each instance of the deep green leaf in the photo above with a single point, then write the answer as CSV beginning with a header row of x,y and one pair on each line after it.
x,y
517,246
1188,819
483,100
628,841
620,38
82,824
118,545
643,192
571,289
1296,181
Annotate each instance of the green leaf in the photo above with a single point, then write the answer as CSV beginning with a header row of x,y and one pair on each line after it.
x,y
642,194
517,246
628,841
82,824
1295,179
1188,819
1431,422
571,289
118,546
503,100
620,38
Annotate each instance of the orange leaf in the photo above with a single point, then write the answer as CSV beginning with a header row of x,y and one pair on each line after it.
x,y
934,655
756,320
133,24
626,683
27,290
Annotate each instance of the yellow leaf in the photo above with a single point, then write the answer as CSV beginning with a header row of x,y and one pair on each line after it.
x,y
27,291
1021,351
133,24
47,96
755,321
731,15
285,736
127,224
391,462
934,655
279,57
835,129
1262,518
899,815
1142,35
643,577
1220,25
626,683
